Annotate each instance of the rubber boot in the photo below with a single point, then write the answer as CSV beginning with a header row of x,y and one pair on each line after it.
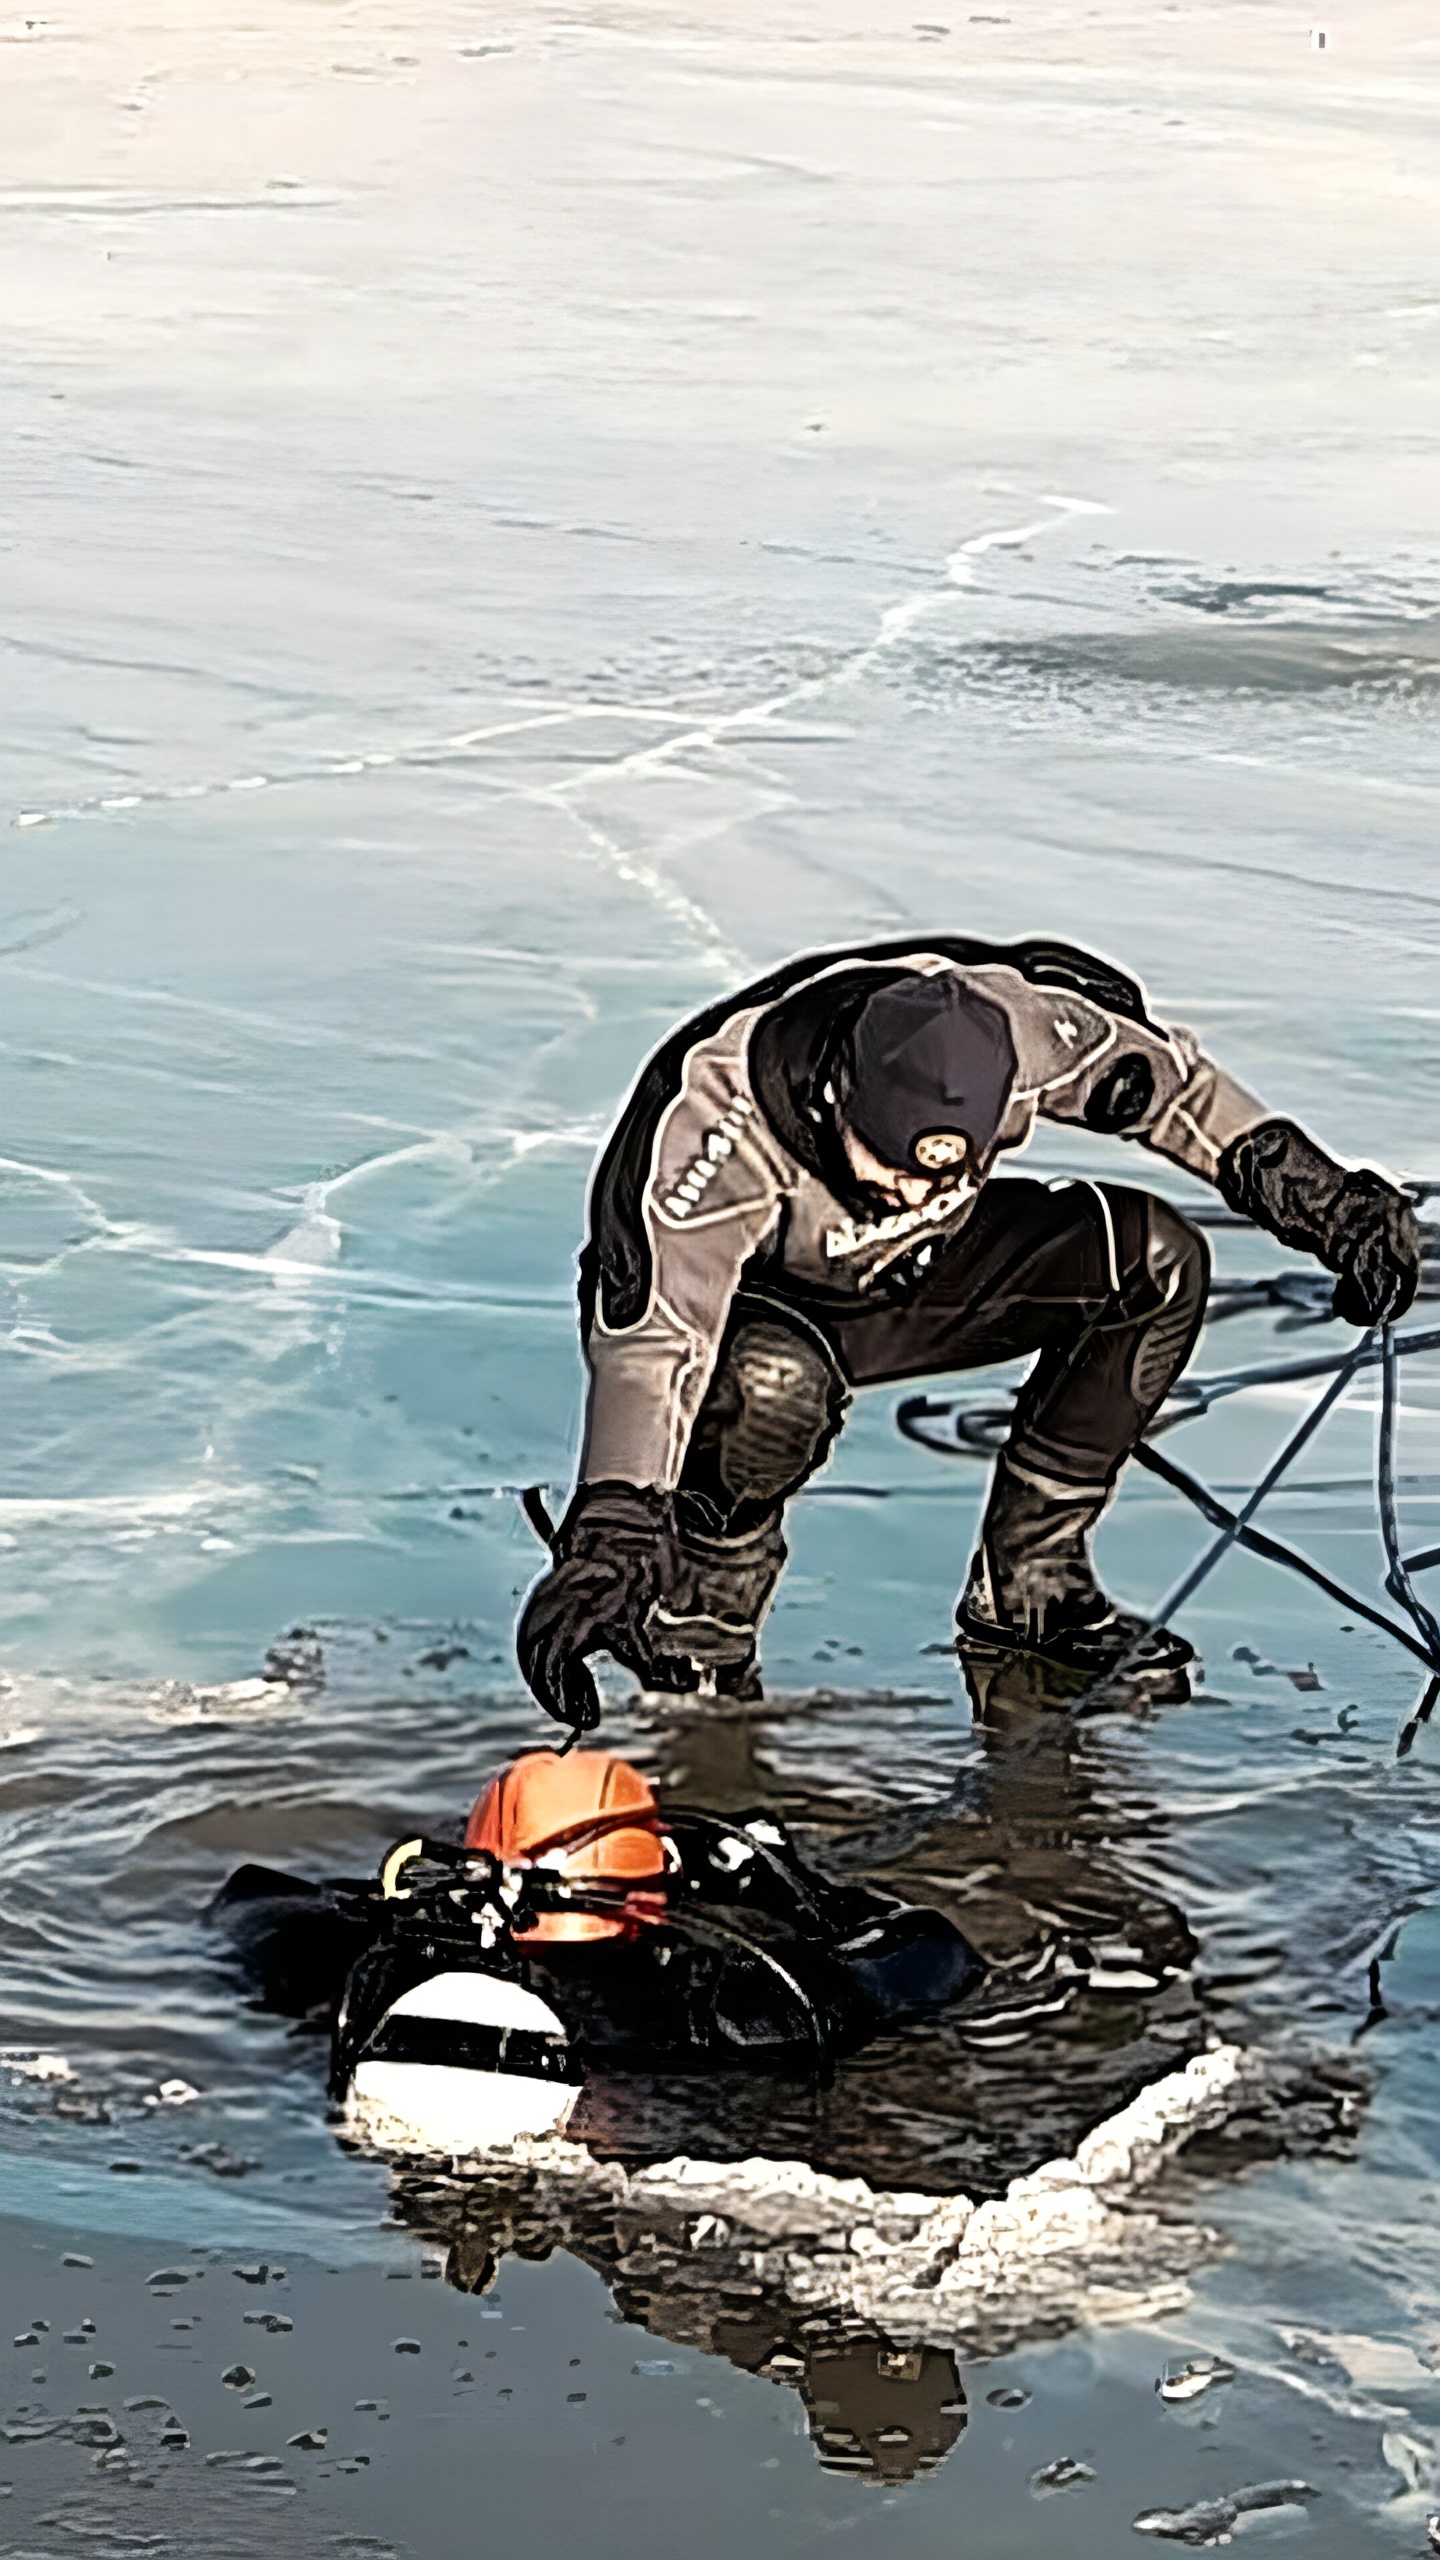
x,y
714,1610
1032,1588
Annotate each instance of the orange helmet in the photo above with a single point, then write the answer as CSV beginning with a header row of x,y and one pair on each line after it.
x,y
585,1815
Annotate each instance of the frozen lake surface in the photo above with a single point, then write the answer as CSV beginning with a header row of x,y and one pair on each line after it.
x,y
515,523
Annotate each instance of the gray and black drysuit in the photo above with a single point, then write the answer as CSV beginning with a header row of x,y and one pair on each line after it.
x,y
738,1280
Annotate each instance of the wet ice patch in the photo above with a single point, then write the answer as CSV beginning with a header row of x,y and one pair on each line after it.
x,y
188,1702
1416,2457
312,1245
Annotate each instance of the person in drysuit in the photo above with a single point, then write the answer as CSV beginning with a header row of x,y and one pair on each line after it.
x,y
797,1200
613,1937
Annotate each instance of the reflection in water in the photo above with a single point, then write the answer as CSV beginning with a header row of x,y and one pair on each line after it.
x,y
818,2236
880,2411
885,2413
1090,1996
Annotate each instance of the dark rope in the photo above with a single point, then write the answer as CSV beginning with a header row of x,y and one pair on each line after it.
x,y
1189,1400
532,1503
1195,1396
1236,1527
1293,1446
1397,1580
1273,1549
1412,1724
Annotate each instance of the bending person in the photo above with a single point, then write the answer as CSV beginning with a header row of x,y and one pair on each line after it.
x,y
797,1200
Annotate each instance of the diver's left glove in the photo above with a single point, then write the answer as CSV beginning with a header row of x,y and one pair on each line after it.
x,y
1359,1225
615,1553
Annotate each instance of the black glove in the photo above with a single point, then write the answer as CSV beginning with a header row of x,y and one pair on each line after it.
x,y
615,1552
1358,1224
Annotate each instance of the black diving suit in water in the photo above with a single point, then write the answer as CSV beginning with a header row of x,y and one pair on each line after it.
x,y
741,1955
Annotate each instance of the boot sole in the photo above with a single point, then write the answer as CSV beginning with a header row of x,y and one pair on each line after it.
x,y
994,1644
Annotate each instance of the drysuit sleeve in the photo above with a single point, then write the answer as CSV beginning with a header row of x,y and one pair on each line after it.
x,y
1206,1110
713,1194
1081,1062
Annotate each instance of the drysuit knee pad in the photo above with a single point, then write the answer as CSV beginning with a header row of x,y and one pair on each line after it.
x,y
1156,1255
775,1404
1177,1266
1175,1245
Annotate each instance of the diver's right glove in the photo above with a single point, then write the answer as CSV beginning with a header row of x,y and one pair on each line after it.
x,y
615,1553
1359,1225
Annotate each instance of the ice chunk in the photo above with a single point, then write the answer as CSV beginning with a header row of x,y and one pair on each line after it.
x,y
1212,2520
1186,2381
1064,2474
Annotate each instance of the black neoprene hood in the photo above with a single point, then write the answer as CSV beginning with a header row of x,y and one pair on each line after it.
x,y
928,1055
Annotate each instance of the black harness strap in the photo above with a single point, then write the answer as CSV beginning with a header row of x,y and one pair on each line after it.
x,y
519,2051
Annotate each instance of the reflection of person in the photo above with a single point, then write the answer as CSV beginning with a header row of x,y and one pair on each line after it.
x,y
879,2412
883,2413
1089,1993
1045,1807
796,1200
